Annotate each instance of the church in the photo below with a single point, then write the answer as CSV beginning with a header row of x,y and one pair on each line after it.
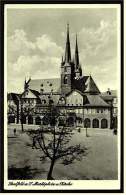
x,y
75,94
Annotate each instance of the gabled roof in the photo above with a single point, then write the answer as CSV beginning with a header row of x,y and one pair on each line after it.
x,y
36,93
79,83
46,84
86,84
96,100
90,86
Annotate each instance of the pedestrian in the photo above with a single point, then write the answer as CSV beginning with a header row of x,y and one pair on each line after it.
x,y
14,131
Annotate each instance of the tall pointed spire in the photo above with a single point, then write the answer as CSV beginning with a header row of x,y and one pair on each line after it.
x,y
68,50
76,54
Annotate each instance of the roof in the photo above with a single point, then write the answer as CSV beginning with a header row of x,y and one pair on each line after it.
x,y
86,84
79,83
90,86
45,84
96,100
36,93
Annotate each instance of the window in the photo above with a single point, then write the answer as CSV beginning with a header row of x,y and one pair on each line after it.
x,y
65,69
98,111
93,111
81,111
115,100
101,110
65,80
50,84
89,111
85,111
42,85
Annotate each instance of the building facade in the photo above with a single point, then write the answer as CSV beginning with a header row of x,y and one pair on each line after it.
x,y
75,94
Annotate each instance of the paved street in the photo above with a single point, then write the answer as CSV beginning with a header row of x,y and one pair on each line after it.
x,y
101,162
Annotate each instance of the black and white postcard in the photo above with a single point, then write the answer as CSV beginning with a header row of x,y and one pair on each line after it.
x,y
62,96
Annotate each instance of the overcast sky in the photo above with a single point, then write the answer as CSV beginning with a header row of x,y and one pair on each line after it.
x,y
36,42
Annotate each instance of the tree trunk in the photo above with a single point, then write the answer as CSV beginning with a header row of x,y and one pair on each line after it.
x,y
49,176
86,132
22,127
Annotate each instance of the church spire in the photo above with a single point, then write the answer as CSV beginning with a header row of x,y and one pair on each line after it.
x,y
68,50
76,54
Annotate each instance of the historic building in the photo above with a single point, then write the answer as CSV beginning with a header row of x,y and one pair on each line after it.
x,y
76,95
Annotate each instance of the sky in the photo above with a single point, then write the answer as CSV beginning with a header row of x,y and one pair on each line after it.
x,y
36,42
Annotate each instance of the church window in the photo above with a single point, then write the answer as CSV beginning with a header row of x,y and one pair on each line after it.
x,y
65,69
65,80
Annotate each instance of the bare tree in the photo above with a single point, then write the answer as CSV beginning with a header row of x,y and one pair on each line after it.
x,y
57,143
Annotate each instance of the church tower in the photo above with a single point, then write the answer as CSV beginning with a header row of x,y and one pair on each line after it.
x,y
67,68
78,69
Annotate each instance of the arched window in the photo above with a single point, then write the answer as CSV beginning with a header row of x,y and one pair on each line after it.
x,y
87,123
30,119
104,123
65,79
95,123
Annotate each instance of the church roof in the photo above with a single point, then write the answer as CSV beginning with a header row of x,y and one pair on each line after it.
x,y
86,84
79,83
96,100
90,86
47,85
